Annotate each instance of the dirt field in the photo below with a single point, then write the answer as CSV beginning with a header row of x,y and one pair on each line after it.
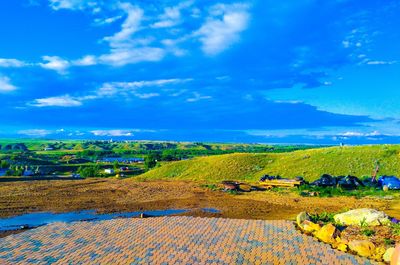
x,y
112,195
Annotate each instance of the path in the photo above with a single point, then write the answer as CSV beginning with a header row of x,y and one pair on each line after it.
x,y
169,240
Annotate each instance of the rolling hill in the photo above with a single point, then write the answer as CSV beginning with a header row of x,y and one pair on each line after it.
x,y
312,163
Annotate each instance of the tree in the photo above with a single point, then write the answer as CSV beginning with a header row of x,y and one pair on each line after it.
x,y
150,162
87,172
116,165
4,164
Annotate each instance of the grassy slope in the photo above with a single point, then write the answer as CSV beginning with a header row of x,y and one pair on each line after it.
x,y
311,164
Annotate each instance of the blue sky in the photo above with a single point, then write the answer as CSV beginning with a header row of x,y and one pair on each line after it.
x,y
303,71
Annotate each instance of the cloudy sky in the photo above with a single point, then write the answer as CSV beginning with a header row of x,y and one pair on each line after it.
x,y
303,71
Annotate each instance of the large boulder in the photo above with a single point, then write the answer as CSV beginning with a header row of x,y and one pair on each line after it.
x,y
358,216
363,248
327,233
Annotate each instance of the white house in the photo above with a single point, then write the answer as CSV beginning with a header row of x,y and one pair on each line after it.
x,y
109,171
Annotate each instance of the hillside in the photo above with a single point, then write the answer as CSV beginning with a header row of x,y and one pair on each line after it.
x,y
312,163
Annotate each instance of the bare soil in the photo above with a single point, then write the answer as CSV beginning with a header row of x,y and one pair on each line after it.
x,y
113,195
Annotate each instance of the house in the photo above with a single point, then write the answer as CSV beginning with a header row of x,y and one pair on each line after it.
x,y
109,171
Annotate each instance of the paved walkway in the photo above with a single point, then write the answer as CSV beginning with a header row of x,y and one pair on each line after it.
x,y
169,240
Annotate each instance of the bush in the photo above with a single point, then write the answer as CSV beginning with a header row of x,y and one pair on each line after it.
x,y
4,164
88,172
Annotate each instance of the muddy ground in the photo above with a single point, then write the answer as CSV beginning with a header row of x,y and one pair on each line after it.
x,y
113,195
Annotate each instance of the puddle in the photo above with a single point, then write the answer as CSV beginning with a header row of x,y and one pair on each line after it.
x,y
43,218
210,210
32,220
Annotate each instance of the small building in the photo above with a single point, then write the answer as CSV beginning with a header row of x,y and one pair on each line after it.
x,y
109,171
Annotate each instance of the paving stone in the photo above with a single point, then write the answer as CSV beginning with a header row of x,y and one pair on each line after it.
x,y
170,240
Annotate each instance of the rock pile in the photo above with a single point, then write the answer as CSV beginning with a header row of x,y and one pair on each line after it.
x,y
330,233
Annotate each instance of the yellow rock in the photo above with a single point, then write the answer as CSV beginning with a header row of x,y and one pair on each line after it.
x,y
341,240
378,254
301,217
327,233
387,257
342,247
363,248
310,227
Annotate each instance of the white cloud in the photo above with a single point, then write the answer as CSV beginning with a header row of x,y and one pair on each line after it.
x,y
126,88
223,27
121,57
197,97
61,101
381,62
111,89
114,133
171,16
74,4
55,63
5,84
85,61
361,134
11,63
35,132
125,49
146,95
105,21
130,25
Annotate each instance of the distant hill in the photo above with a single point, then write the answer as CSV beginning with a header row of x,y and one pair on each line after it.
x,y
311,164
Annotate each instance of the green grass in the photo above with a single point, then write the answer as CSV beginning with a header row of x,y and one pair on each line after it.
x,y
311,164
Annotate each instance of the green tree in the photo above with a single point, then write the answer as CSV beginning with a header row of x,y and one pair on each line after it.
x,y
88,172
4,164
150,162
116,165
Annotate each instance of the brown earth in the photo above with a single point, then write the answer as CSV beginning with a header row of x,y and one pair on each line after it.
x,y
113,195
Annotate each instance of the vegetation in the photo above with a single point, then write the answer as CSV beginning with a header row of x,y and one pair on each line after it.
x,y
87,172
324,217
311,164
150,162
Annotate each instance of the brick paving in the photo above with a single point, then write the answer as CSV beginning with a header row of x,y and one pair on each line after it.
x,y
169,240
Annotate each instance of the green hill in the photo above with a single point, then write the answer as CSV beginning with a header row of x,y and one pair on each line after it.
x,y
311,164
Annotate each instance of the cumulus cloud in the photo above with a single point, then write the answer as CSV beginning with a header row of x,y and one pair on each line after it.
x,y
8,63
55,63
61,101
223,27
5,84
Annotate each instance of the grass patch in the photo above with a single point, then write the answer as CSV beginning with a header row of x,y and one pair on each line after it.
x,y
323,217
336,191
396,229
212,187
311,164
